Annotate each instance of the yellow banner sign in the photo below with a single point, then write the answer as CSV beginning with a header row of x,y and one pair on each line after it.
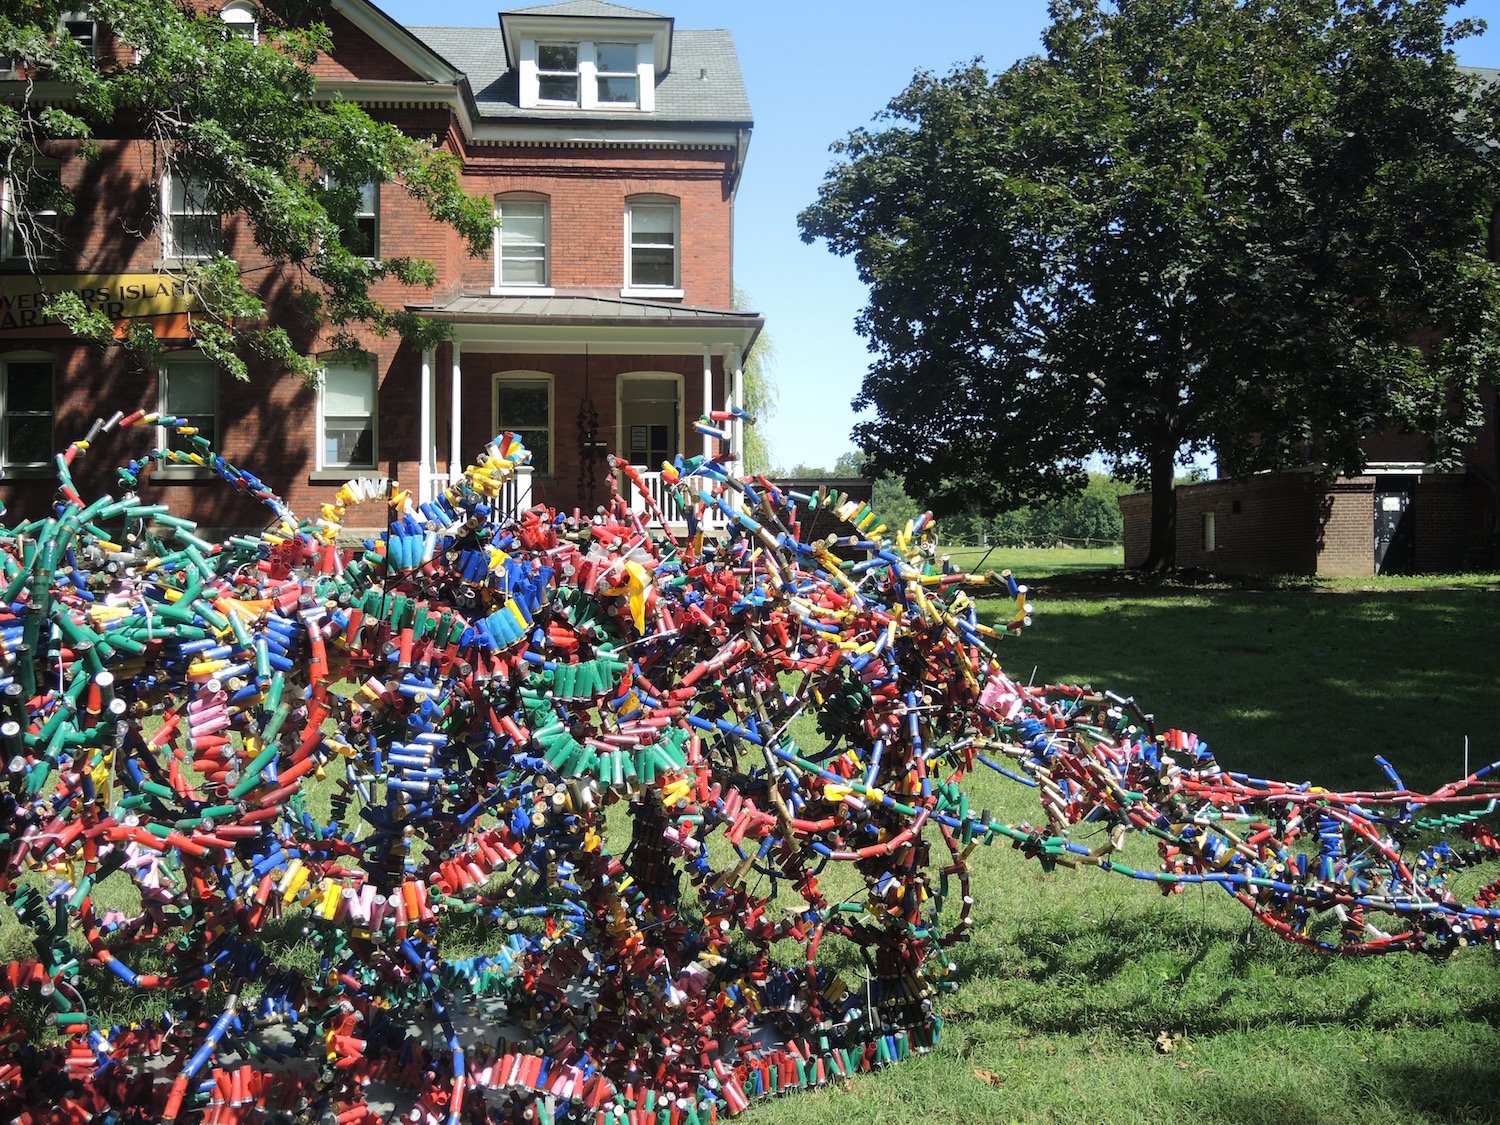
x,y
123,297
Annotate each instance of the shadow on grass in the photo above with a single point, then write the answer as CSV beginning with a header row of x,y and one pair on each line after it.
x,y
1143,971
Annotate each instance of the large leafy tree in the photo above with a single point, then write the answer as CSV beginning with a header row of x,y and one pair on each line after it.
x,y
1256,227
240,118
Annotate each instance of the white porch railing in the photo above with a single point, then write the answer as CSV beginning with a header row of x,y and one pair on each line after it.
x,y
514,498
665,498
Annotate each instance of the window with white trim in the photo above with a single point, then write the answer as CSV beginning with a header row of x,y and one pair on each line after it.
x,y
240,21
617,81
585,74
557,73
80,27
360,235
25,412
189,390
27,230
521,240
523,405
347,415
191,229
651,239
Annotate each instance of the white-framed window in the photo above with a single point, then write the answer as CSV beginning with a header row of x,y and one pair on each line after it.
x,y
586,75
189,389
347,414
557,73
191,226
26,411
361,235
617,81
240,21
27,228
521,241
80,27
651,241
524,406
1210,538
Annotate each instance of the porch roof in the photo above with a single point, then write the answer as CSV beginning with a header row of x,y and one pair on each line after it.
x,y
593,318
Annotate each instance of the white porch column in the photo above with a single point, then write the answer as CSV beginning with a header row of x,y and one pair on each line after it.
x,y
736,365
424,461
455,418
708,388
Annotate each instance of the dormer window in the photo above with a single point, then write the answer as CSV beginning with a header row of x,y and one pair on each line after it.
x,y
239,21
615,71
79,27
557,73
587,74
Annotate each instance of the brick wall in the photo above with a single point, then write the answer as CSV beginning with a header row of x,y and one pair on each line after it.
x,y
1345,537
1271,523
1448,534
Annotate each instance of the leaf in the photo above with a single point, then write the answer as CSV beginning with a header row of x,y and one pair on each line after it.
x,y
989,1077
1166,1041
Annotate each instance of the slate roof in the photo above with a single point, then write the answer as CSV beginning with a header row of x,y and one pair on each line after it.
x,y
704,84
594,8
588,309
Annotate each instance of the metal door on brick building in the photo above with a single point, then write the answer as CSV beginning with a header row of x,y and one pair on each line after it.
x,y
1395,530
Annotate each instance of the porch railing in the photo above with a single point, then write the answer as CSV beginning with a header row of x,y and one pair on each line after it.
x,y
514,498
665,498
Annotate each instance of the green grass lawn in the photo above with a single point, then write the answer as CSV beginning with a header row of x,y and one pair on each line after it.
x,y
1071,976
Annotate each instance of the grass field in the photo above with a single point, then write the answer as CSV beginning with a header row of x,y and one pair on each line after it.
x,y
1072,977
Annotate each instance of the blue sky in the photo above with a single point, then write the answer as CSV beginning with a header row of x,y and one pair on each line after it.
x,y
815,70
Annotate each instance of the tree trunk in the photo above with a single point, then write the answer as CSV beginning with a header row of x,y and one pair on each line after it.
x,y
1162,554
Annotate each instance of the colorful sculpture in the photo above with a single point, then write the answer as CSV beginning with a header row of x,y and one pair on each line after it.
x,y
601,789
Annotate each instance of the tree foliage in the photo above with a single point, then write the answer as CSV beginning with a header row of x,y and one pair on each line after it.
x,y
1256,227
242,118
760,392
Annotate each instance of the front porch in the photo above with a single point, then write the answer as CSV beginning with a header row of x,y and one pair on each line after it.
x,y
579,378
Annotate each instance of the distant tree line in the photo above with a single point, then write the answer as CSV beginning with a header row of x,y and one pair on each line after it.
x,y
1092,515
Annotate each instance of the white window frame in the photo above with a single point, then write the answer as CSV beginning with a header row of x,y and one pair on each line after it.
x,y
238,15
529,378
1210,532
576,73
25,468
366,363
11,249
66,19
503,288
530,75
634,74
183,360
169,248
632,288
373,214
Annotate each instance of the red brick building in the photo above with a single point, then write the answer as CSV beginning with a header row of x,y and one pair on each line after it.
x,y
1401,515
611,143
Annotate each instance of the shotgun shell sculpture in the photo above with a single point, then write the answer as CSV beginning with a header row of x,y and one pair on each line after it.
x,y
532,816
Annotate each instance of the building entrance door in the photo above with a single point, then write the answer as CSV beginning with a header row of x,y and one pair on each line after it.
x,y
1395,529
648,421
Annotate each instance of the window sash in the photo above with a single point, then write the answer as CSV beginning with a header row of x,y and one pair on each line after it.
x,y
12,246
349,407
523,242
192,225
190,391
528,417
653,245
557,76
26,420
